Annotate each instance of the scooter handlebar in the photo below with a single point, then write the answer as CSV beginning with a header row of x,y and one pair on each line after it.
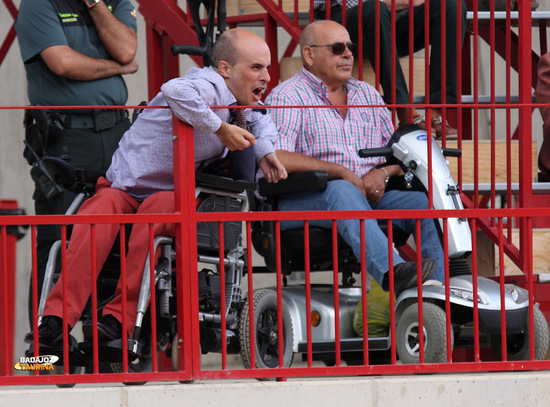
x,y
451,152
375,152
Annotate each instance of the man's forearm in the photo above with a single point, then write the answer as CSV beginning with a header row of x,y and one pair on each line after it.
x,y
294,162
65,61
119,39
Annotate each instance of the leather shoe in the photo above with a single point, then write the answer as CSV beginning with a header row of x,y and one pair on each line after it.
x,y
404,274
421,122
440,128
50,331
108,329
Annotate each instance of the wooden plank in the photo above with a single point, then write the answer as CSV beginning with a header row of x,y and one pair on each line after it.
x,y
488,263
243,7
541,254
290,66
484,161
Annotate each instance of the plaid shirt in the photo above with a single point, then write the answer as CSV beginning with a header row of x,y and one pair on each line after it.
x,y
320,5
323,133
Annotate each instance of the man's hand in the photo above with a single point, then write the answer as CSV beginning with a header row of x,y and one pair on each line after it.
x,y
272,168
234,138
132,67
350,176
374,183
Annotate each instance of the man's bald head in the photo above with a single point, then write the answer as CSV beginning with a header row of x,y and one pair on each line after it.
x,y
227,47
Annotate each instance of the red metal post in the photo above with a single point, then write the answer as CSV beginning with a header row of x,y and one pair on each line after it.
x,y
186,250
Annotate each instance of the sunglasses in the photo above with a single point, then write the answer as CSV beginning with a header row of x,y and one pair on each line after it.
x,y
338,48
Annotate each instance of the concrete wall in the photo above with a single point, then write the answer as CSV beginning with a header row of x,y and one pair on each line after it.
x,y
524,389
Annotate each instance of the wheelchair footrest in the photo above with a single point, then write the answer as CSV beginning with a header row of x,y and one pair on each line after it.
x,y
111,351
76,356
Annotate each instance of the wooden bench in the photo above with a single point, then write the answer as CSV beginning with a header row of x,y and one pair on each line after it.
x,y
484,161
245,7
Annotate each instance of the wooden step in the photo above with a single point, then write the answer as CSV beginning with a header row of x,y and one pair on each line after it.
x,y
484,161
244,7
488,262
291,65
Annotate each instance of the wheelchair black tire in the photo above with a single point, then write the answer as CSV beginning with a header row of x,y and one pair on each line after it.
x,y
266,332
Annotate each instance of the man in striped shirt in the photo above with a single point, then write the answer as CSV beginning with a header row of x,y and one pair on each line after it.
x,y
400,36
327,137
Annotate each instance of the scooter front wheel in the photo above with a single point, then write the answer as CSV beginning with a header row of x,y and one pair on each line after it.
x,y
435,334
267,332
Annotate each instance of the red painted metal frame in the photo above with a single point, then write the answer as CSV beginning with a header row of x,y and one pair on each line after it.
x,y
186,218
10,36
167,24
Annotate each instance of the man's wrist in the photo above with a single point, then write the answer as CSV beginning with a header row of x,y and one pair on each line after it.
x,y
385,172
91,3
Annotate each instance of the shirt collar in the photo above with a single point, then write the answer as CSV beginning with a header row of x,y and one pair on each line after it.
x,y
318,86
228,97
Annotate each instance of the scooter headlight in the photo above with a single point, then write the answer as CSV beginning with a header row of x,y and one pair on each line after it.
x,y
514,293
518,295
465,295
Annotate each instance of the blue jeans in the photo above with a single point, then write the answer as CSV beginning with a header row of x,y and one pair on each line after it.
x,y
341,195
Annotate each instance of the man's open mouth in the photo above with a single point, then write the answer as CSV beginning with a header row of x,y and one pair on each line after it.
x,y
257,92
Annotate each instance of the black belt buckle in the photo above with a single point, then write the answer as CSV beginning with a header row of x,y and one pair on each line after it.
x,y
104,120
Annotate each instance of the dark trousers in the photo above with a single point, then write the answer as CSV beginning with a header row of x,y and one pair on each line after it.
x,y
86,149
402,45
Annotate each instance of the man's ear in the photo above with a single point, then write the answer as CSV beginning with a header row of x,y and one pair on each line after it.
x,y
224,69
307,53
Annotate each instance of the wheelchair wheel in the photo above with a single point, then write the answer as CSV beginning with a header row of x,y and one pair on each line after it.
x,y
72,370
134,366
517,346
267,332
435,335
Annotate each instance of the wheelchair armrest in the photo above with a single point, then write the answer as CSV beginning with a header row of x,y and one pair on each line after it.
x,y
296,182
223,183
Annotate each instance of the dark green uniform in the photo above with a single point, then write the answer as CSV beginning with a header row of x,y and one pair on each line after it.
x,y
90,137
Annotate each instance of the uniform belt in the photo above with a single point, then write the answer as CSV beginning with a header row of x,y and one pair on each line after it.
x,y
98,122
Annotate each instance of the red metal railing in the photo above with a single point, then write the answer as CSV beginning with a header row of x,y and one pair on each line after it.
x,y
496,223
189,351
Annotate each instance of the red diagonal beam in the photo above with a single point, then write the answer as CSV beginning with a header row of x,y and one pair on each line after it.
x,y
7,43
11,8
166,17
492,233
281,18
10,36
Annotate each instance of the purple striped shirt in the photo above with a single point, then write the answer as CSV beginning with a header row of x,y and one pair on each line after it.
x,y
322,132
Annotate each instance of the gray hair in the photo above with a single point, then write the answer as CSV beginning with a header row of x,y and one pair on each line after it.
x,y
225,49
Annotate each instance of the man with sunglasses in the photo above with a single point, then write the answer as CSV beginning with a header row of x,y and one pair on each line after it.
x,y
401,37
326,137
